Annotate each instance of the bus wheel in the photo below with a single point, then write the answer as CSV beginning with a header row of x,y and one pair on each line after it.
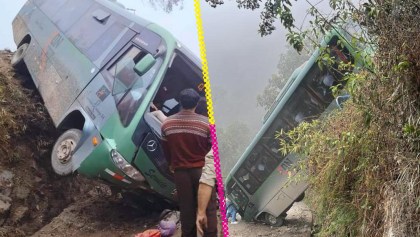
x,y
17,58
62,153
274,221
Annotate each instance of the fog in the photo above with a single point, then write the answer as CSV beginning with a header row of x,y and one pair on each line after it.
x,y
240,60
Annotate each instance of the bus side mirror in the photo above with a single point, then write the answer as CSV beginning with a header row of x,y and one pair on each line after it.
x,y
144,64
341,99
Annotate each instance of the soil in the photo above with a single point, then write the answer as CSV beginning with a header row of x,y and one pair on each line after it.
x,y
34,201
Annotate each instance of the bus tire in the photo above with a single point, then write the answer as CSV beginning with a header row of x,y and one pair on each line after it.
x,y
274,221
17,59
63,150
300,198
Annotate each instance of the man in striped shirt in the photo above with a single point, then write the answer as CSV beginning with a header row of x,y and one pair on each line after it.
x,y
186,141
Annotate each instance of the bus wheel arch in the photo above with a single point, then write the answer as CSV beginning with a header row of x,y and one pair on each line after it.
x,y
17,61
63,150
17,58
75,119
26,40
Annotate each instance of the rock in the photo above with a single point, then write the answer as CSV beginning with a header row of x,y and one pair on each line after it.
x,y
22,192
5,203
6,182
19,213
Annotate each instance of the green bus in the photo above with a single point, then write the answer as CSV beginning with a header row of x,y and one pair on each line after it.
x,y
258,184
101,72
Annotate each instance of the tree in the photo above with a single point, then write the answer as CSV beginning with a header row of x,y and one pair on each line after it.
x,y
166,5
232,143
343,11
289,61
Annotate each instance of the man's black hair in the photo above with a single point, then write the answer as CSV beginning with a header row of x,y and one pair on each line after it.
x,y
188,98
202,107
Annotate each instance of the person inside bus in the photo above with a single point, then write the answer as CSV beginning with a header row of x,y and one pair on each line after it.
x,y
201,109
185,150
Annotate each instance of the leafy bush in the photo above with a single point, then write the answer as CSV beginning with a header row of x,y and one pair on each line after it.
x,y
363,161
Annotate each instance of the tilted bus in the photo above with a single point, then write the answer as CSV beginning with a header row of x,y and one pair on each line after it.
x,y
258,184
99,70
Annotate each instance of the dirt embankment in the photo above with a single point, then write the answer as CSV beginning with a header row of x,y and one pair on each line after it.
x,y
33,200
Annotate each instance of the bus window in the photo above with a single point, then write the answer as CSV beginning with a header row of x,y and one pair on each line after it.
x,y
239,196
263,166
129,88
103,42
48,8
302,106
247,180
81,33
181,74
69,13
270,140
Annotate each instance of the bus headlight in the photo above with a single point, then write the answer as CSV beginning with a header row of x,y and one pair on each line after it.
x,y
125,167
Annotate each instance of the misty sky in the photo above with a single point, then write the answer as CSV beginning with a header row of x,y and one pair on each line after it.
x,y
240,61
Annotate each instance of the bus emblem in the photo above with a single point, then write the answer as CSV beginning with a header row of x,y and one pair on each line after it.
x,y
151,145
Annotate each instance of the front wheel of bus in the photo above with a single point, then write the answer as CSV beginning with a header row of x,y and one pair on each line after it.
x,y
17,58
63,150
274,221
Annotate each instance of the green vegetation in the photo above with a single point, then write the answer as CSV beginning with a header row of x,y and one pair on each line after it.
x,y
233,140
364,160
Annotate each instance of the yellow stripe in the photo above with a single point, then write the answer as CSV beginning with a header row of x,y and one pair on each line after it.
x,y
203,57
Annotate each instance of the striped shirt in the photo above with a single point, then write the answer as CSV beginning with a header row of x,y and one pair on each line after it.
x,y
186,139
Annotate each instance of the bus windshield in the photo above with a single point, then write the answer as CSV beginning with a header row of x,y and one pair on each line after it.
x,y
181,74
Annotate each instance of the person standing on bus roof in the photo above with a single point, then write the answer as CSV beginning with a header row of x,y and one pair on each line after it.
x,y
186,141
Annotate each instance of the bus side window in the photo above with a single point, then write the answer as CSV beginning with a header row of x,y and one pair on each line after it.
x,y
263,167
104,41
70,13
247,180
123,72
88,30
128,87
48,8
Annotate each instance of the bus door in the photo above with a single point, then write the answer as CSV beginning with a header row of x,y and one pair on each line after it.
x,y
129,89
